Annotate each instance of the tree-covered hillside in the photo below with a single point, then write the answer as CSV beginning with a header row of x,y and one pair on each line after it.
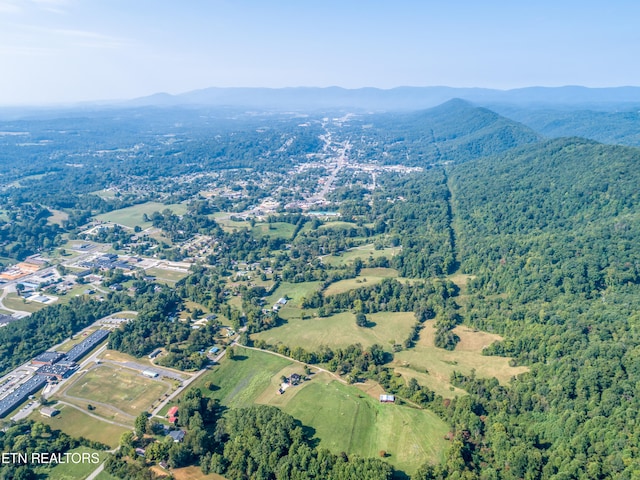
x,y
455,131
549,235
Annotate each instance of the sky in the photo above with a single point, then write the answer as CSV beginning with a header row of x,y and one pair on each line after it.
x,y
64,51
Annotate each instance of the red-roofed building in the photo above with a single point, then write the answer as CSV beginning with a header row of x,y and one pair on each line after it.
x,y
173,414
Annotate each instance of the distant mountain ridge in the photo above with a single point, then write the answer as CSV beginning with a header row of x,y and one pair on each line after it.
x,y
455,131
400,98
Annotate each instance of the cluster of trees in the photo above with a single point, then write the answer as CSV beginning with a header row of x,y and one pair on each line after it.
x,y
352,359
151,328
23,340
390,295
26,437
27,231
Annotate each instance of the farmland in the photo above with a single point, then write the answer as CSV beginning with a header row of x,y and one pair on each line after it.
x,y
341,330
132,216
73,421
345,420
122,388
439,363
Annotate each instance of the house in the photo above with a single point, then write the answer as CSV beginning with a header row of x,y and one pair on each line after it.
x,y
387,398
282,301
49,412
173,414
214,350
295,379
155,353
177,435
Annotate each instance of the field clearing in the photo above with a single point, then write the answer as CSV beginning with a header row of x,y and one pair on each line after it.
x,y
72,471
106,194
295,292
239,382
16,302
270,395
274,230
193,473
105,476
337,225
367,277
78,424
341,330
467,356
364,252
164,275
58,217
346,420
132,216
124,389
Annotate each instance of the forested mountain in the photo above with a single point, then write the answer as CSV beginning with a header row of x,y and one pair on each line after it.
x,y
620,126
455,131
549,234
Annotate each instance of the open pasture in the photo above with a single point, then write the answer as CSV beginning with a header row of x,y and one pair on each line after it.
x,y
132,216
440,363
122,388
341,330
367,277
363,252
76,423
347,420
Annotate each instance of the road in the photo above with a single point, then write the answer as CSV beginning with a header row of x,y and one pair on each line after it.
x,y
197,375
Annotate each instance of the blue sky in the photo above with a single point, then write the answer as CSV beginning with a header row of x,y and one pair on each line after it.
x,y
56,51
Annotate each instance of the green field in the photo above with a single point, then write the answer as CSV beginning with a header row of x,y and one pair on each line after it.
x,y
78,424
125,389
364,252
274,230
295,292
346,420
16,302
164,275
341,330
132,216
440,363
367,277
72,471
239,382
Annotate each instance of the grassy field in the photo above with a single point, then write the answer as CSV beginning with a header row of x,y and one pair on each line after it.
x,y
193,473
105,476
341,330
78,424
106,194
274,230
72,471
239,382
295,292
364,252
367,277
441,363
16,302
166,276
132,216
347,420
125,389
58,217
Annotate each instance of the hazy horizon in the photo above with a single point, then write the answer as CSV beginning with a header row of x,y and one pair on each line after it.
x,y
68,51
